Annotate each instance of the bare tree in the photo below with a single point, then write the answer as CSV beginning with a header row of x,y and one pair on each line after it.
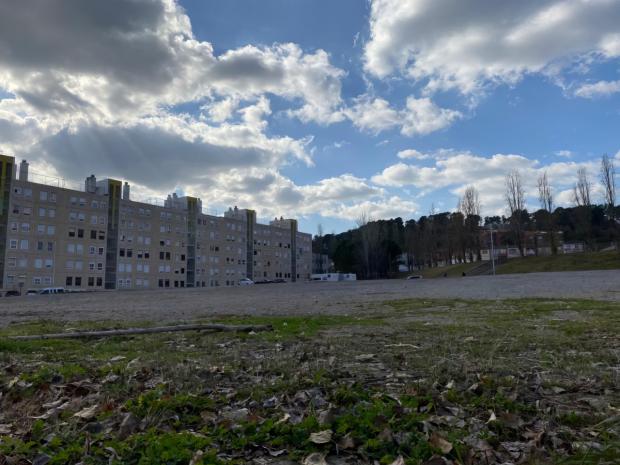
x,y
362,223
469,204
515,198
582,189
545,196
608,180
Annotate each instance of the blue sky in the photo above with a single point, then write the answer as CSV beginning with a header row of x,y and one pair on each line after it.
x,y
316,109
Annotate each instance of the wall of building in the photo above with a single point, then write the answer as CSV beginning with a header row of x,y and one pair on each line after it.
x,y
57,237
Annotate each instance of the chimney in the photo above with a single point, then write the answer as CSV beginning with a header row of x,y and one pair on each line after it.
x,y
126,191
23,171
90,185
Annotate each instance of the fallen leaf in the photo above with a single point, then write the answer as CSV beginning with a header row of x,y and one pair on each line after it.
x,y
399,461
322,437
87,413
440,443
314,459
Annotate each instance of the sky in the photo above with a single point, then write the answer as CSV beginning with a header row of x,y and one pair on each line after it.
x,y
322,110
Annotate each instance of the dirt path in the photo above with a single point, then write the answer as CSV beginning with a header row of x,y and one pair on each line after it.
x,y
302,298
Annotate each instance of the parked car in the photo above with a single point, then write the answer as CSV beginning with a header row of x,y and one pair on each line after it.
x,y
415,276
12,293
279,280
32,292
245,282
264,281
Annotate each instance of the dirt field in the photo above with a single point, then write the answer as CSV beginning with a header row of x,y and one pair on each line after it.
x,y
302,298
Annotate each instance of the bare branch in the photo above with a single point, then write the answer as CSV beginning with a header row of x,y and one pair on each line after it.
x,y
582,189
608,180
545,195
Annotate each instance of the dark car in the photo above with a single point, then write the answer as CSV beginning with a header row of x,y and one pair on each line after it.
x,y
279,280
12,293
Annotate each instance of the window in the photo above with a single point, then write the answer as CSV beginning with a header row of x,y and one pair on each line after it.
x,y
78,280
129,253
26,227
49,263
69,281
14,226
39,245
50,246
51,213
27,211
70,264
41,211
23,263
23,244
52,196
79,249
82,201
71,232
91,250
91,281
121,252
73,200
51,230
93,219
72,216
80,233
40,229
70,248
12,262
79,265
93,234
91,266
81,216
99,266
43,195
99,281
36,281
100,250
101,235
38,263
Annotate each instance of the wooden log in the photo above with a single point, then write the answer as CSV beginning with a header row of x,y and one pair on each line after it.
x,y
155,329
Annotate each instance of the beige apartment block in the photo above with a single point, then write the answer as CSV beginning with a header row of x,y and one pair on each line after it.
x,y
99,238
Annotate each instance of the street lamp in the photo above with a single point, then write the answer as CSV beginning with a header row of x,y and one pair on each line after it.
x,y
492,251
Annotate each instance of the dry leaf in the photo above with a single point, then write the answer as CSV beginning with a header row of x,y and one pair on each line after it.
x,y
440,443
314,459
87,413
322,437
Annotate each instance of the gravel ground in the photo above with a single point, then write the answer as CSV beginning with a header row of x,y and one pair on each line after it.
x,y
302,298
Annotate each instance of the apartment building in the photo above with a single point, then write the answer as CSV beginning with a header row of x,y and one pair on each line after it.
x,y
99,238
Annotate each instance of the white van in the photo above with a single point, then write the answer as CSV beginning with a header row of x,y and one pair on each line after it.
x,y
53,290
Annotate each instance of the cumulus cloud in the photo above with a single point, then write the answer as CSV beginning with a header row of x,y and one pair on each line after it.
x,y
487,174
450,44
598,89
123,59
412,154
419,117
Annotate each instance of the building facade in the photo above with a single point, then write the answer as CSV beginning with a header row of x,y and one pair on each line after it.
x,y
98,238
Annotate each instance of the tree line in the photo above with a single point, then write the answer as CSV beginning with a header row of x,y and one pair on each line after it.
x,y
375,248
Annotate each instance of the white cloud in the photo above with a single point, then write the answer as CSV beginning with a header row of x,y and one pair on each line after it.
x,y
135,58
422,116
564,153
598,89
487,174
412,154
419,117
451,44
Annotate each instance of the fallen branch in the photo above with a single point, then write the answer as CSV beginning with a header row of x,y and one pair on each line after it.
x,y
156,329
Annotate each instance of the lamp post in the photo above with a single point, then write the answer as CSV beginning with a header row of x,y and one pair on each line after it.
x,y
492,251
